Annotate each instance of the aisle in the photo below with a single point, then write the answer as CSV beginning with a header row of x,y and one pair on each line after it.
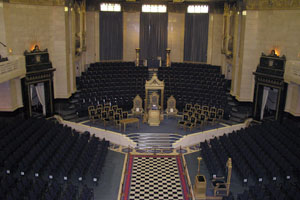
x,y
155,177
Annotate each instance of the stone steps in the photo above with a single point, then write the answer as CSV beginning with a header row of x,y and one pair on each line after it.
x,y
154,140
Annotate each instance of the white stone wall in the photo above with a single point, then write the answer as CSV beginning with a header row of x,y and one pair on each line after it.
x,y
90,38
214,55
266,30
131,35
11,95
3,50
176,22
27,25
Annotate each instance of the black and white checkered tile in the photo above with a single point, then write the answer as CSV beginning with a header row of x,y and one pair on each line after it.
x,y
155,178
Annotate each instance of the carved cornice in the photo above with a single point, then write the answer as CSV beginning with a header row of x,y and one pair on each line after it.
x,y
272,4
40,2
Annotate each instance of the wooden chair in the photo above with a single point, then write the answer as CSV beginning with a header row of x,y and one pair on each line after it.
x,y
193,109
171,107
187,107
203,120
190,113
106,108
213,109
198,122
105,118
220,113
205,108
206,113
197,106
221,185
92,115
114,108
100,106
91,108
111,114
181,122
99,112
212,118
191,123
125,115
117,118
154,101
137,106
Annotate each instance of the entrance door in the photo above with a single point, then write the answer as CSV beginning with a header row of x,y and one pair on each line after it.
x,y
37,95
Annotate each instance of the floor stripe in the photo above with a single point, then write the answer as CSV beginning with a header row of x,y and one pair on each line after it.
x,y
182,178
128,178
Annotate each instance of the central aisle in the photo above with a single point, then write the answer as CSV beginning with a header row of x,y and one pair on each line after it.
x,y
155,177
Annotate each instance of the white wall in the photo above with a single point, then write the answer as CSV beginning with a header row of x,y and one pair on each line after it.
x,y
215,31
176,23
131,35
27,25
3,50
90,38
11,95
266,30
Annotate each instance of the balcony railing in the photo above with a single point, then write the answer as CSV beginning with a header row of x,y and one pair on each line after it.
x,y
13,68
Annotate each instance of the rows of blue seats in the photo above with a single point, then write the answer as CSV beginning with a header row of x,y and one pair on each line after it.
x,y
45,150
264,153
288,191
110,82
38,189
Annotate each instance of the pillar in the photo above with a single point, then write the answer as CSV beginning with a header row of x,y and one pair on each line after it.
x,y
199,160
168,53
137,61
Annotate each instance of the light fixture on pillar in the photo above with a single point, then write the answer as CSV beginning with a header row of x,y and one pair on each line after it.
x,y
137,52
168,54
275,51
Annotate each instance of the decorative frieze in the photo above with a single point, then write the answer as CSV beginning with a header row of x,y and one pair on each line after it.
x,y
272,4
40,2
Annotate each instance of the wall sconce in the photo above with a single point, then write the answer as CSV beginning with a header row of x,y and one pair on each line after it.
x,y
66,9
277,50
244,13
10,50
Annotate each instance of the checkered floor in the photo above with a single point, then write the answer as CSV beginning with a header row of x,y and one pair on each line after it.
x,y
156,177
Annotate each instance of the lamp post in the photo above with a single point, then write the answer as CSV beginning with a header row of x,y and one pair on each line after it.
x,y
137,61
168,53
199,160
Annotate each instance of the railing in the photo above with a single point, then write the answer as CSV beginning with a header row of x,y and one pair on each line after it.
x,y
124,174
14,67
186,174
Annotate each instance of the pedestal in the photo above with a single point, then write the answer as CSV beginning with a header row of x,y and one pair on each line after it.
x,y
200,187
154,117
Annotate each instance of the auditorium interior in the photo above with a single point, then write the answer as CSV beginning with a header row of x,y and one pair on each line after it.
x,y
149,99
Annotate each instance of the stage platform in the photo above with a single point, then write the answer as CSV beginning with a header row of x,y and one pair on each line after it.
x,y
166,126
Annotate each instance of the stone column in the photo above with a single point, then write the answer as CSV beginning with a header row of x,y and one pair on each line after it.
x,y
168,53
137,61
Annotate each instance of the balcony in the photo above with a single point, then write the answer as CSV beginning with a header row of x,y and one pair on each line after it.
x,y
13,68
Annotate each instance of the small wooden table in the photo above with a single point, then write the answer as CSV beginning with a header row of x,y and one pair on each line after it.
x,y
130,121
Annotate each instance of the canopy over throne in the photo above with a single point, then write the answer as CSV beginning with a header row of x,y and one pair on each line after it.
x,y
154,101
